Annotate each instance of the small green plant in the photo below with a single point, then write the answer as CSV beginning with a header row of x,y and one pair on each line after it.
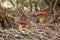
x,y
30,38
12,3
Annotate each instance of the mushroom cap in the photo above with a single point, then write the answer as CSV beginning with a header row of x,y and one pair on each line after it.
x,y
21,22
40,13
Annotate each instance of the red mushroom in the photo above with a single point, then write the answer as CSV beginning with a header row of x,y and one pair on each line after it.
x,y
21,23
41,16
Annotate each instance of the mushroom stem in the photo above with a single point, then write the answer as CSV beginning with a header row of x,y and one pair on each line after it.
x,y
41,18
20,27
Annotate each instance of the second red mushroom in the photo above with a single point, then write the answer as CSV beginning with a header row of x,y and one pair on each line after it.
x,y
21,23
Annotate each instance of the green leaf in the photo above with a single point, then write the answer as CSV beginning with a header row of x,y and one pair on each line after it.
x,y
29,38
12,2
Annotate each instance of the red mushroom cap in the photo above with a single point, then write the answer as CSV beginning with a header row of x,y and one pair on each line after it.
x,y
21,22
40,13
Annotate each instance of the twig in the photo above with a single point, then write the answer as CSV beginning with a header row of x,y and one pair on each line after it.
x,y
54,6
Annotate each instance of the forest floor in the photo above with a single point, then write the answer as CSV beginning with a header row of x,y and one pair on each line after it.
x,y
34,31
46,32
